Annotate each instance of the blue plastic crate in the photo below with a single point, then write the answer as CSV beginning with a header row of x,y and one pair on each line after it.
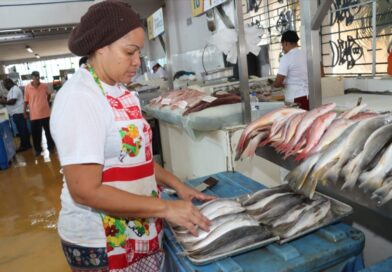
x,y
383,266
333,248
7,149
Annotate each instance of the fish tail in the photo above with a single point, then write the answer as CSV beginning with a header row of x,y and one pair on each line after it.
x,y
301,156
332,174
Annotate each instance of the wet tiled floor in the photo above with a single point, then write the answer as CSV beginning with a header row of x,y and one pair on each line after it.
x,y
29,206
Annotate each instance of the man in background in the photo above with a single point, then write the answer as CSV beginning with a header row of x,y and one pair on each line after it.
x,y
293,73
15,107
37,97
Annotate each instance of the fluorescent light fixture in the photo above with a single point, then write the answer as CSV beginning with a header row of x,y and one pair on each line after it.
x,y
28,49
15,37
37,56
10,30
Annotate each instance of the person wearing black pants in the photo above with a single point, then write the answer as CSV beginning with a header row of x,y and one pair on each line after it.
x,y
36,131
23,132
37,96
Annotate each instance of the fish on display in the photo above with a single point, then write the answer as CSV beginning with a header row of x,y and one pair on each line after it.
x,y
295,212
384,193
263,123
221,207
376,141
306,121
229,231
315,132
354,144
263,193
188,239
262,204
250,236
278,207
373,179
306,220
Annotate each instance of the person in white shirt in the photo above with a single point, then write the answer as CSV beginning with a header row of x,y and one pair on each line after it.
x,y
15,107
111,216
293,73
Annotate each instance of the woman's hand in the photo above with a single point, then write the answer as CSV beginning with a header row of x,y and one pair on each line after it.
x,y
183,213
187,193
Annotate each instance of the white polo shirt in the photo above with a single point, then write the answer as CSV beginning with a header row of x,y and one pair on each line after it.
x,y
15,93
293,66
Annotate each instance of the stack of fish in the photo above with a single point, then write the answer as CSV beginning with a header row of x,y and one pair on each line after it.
x,y
285,212
189,100
354,146
361,155
297,132
264,214
231,229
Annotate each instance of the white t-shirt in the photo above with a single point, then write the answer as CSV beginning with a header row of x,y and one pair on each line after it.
x,y
83,127
15,93
293,66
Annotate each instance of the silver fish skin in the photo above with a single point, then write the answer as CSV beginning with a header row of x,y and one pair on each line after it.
x,y
293,214
188,239
384,193
354,144
309,218
299,175
250,236
278,207
373,145
221,231
259,206
263,193
373,179
218,207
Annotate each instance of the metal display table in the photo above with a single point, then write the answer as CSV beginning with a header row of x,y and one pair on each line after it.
x,y
337,247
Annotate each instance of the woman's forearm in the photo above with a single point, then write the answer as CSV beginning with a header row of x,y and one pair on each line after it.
x,y
164,177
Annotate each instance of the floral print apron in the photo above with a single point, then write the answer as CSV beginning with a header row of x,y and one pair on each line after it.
x,y
133,244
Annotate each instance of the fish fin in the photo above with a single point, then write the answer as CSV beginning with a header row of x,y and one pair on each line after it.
x,y
350,180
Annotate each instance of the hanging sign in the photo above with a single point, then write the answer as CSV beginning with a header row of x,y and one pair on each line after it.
x,y
201,6
155,26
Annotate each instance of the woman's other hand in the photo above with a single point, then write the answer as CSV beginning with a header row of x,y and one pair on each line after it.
x,y
187,193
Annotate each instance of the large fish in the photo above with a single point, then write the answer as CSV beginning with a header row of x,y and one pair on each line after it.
x,y
290,132
351,145
295,212
224,233
222,207
188,239
373,145
265,120
306,121
373,179
263,193
315,132
262,204
337,127
384,193
307,220
278,207
248,237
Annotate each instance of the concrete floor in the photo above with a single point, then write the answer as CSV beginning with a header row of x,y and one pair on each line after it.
x,y
29,206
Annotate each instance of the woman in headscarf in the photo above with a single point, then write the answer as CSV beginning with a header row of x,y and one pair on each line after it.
x,y
111,215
